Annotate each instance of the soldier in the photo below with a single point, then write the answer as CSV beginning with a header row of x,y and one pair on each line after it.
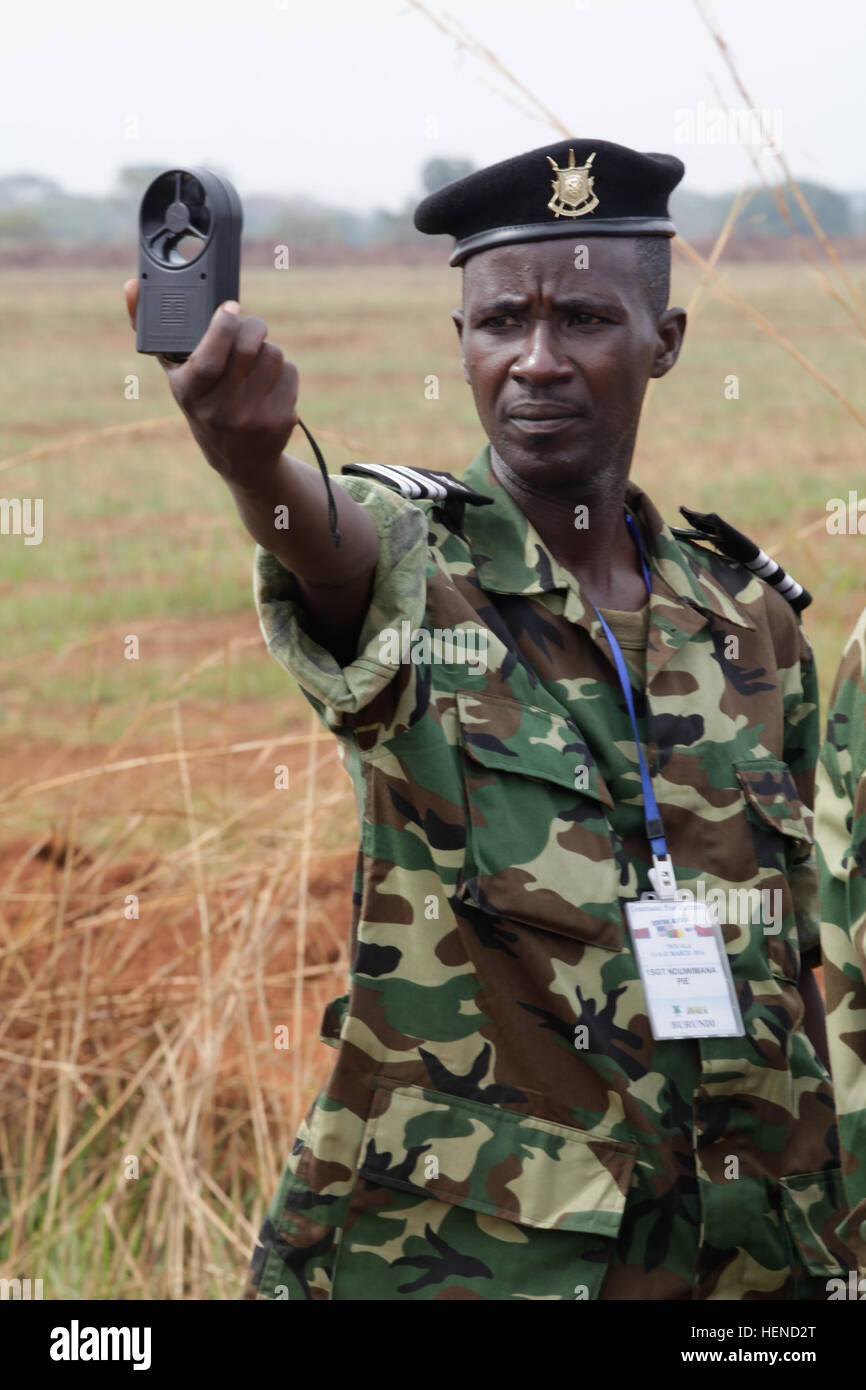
x,y
841,838
573,734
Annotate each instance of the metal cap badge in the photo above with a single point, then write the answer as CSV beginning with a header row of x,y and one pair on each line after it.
x,y
572,188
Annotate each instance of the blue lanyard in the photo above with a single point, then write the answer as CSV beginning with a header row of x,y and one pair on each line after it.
x,y
661,875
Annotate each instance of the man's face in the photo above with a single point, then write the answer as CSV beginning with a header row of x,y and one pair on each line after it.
x,y
558,358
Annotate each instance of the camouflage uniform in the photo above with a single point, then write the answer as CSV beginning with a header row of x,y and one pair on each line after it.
x,y
463,1146
841,835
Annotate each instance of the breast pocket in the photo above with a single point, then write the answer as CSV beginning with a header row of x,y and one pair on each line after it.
x,y
539,846
775,807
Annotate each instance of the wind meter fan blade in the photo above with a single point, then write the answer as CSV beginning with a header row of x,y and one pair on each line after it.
x,y
189,258
175,211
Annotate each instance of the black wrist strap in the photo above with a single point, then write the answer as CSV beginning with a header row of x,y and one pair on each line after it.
x,y
332,506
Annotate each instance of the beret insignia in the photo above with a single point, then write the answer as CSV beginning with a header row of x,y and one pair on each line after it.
x,y
572,188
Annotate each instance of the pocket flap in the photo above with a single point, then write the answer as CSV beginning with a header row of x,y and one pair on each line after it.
x,y
512,1166
772,791
813,1204
508,736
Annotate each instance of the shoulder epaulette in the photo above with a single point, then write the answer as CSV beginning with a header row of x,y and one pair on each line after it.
x,y
731,542
448,492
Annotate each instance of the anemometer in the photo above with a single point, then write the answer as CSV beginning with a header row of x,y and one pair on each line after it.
x,y
189,258
189,262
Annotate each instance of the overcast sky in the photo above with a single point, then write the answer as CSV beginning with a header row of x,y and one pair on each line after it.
x,y
345,99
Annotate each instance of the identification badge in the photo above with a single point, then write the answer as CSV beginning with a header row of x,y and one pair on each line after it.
x,y
684,969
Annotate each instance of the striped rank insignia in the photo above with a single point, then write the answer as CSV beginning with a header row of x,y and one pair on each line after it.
x,y
450,494
708,526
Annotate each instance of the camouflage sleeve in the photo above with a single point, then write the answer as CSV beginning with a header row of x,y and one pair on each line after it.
x,y
340,695
841,833
802,738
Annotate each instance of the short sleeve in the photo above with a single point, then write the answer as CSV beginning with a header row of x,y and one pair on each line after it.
x,y
399,595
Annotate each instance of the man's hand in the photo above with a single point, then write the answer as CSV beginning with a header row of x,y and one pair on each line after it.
x,y
237,391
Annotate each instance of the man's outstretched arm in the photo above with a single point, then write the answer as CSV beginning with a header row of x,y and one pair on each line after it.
x,y
240,397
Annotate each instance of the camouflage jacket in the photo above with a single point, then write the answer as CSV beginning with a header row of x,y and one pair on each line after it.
x,y
841,835
500,1122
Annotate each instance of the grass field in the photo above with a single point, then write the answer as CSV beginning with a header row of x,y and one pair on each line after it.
x,y
146,1110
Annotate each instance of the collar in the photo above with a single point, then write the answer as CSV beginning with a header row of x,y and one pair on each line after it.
x,y
511,558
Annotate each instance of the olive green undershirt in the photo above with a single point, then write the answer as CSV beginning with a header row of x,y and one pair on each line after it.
x,y
630,630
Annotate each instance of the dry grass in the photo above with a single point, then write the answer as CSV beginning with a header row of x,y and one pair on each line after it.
x,y
146,1107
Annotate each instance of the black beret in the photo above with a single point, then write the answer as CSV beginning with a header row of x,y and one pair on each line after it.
x,y
570,188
